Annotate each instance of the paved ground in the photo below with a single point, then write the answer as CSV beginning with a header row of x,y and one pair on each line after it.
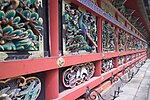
x,y
138,88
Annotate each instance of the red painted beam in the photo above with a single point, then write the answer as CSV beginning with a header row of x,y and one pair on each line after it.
x,y
23,67
103,86
72,60
95,81
79,90
108,55
36,65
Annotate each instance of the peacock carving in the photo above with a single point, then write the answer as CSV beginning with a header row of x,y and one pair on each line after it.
x,y
79,29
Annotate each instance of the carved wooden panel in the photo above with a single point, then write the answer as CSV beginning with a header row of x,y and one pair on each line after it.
x,y
107,64
78,74
121,40
20,88
108,37
21,29
79,30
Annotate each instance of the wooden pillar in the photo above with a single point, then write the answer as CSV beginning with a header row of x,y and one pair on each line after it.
x,y
52,77
98,64
117,47
99,43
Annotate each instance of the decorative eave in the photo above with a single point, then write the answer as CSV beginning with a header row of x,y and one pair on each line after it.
x,y
144,14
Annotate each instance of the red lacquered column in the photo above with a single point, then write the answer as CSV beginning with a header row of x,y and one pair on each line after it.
x,y
117,50
99,43
52,78
117,47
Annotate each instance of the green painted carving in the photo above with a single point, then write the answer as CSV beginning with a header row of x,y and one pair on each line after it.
x,y
129,42
107,9
108,37
20,25
128,12
79,29
135,43
133,19
140,28
121,40
119,4
137,24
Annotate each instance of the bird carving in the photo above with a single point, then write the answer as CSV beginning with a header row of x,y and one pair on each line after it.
x,y
85,30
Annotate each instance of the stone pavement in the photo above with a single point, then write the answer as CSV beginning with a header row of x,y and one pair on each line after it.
x,y
138,88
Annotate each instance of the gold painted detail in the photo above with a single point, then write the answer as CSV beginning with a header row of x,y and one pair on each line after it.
x,y
60,62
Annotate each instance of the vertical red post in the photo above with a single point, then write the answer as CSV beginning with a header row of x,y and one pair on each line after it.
x,y
99,43
125,44
117,49
99,30
52,77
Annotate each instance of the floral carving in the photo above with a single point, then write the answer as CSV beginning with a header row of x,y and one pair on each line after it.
x,y
20,25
